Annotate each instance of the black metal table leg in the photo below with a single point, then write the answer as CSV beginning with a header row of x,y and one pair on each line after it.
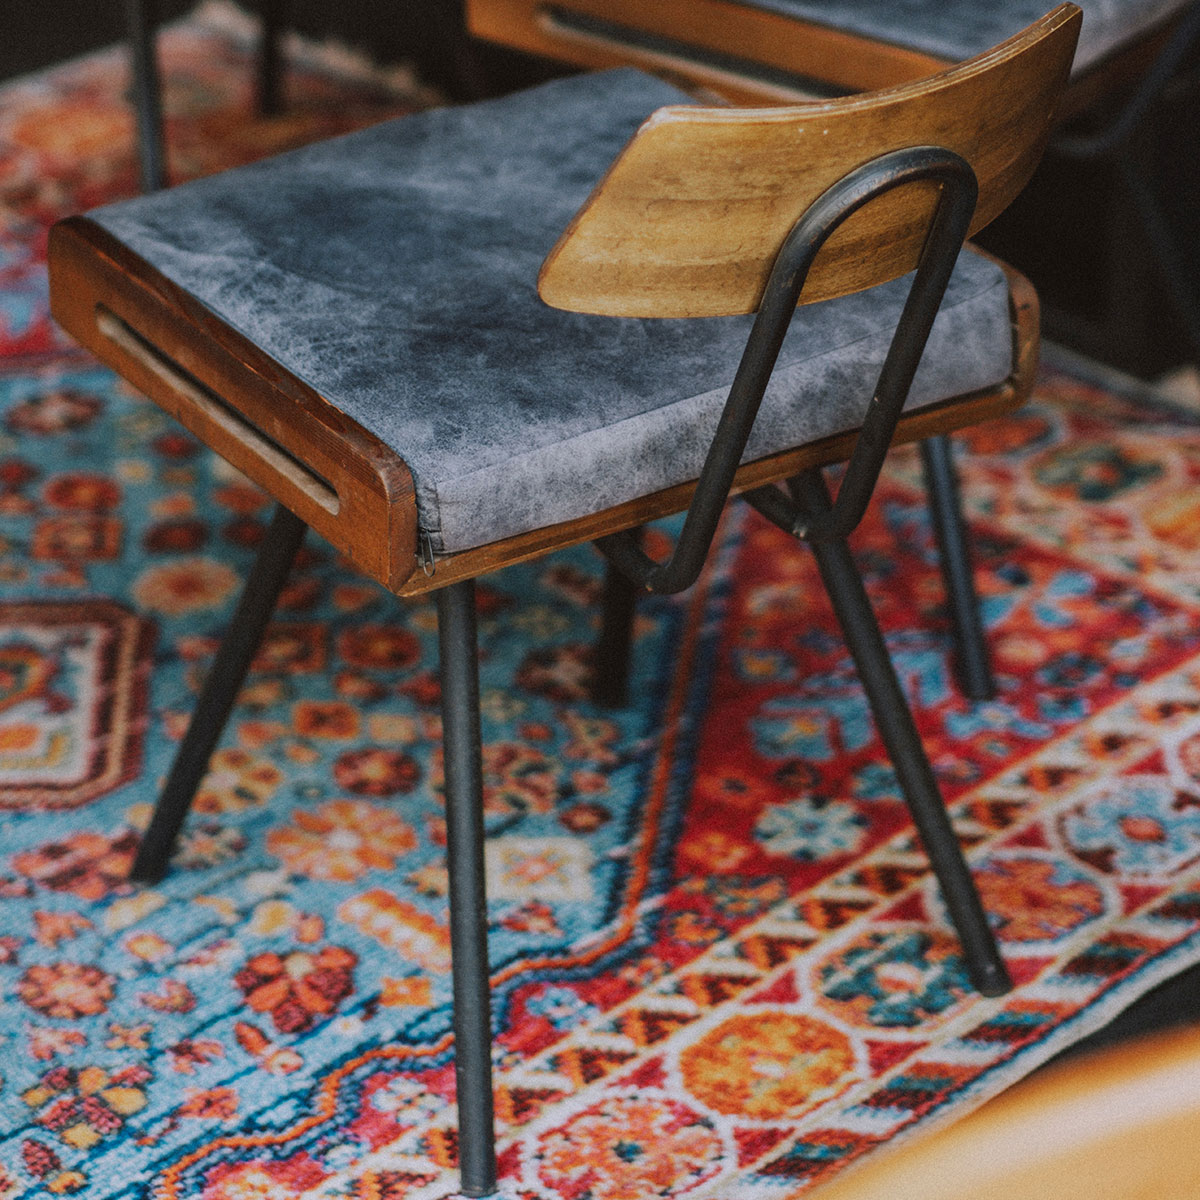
x,y
468,891
945,509
610,680
894,720
269,89
237,649
147,93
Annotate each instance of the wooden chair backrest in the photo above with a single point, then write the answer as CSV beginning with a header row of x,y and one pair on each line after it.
x,y
1121,1124
688,219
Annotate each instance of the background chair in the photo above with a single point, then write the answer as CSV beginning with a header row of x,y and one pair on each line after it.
x,y
393,379
1115,1125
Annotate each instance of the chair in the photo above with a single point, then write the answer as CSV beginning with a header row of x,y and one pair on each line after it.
x,y
1131,54
355,326
782,51
1117,1124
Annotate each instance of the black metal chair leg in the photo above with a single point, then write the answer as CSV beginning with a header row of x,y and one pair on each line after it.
x,y
894,720
146,93
270,84
468,892
610,679
220,690
973,663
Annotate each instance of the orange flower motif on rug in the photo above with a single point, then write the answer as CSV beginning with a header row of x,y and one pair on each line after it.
x,y
67,991
342,840
628,1147
768,1065
190,585
298,988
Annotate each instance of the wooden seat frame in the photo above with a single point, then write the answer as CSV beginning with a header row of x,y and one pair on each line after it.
x,y
890,185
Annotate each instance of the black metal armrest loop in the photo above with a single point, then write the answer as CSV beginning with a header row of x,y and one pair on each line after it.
x,y
947,231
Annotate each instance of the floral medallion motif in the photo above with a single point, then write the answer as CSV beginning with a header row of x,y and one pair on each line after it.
x,y
626,1147
900,979
88,865
768,1065
67,991
1144,826
547,869
811,828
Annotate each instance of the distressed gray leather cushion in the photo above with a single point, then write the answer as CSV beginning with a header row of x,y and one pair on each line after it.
x,y
958,29
394,270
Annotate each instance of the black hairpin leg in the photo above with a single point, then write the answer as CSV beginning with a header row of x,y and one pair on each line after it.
x,y
269,84
610,679
236,652
468,892
894,720
945,508
147,93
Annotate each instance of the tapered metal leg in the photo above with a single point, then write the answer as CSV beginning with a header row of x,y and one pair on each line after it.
x,y
236,652
972,660
894,720
270,83
610,680
468,891
147,93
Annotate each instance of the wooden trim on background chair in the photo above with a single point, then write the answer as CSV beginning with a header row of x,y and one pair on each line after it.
x,y
588,33
723,45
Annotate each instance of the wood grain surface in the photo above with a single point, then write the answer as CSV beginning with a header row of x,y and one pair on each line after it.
x,y
688,220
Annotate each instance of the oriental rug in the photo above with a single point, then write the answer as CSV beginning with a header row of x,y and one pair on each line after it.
x,y
720,967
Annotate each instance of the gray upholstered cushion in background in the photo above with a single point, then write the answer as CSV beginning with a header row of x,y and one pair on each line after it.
x,y
394,270
957,29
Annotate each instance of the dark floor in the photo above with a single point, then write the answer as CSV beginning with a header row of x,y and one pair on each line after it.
x,y
429,33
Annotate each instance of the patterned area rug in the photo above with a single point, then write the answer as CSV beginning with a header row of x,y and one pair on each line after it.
x,y
720,967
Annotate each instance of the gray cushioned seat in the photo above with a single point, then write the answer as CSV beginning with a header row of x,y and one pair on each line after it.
x,y
958,29
394,270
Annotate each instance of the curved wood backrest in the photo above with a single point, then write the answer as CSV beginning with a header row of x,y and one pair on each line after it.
x,y
689,218
1123,1124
